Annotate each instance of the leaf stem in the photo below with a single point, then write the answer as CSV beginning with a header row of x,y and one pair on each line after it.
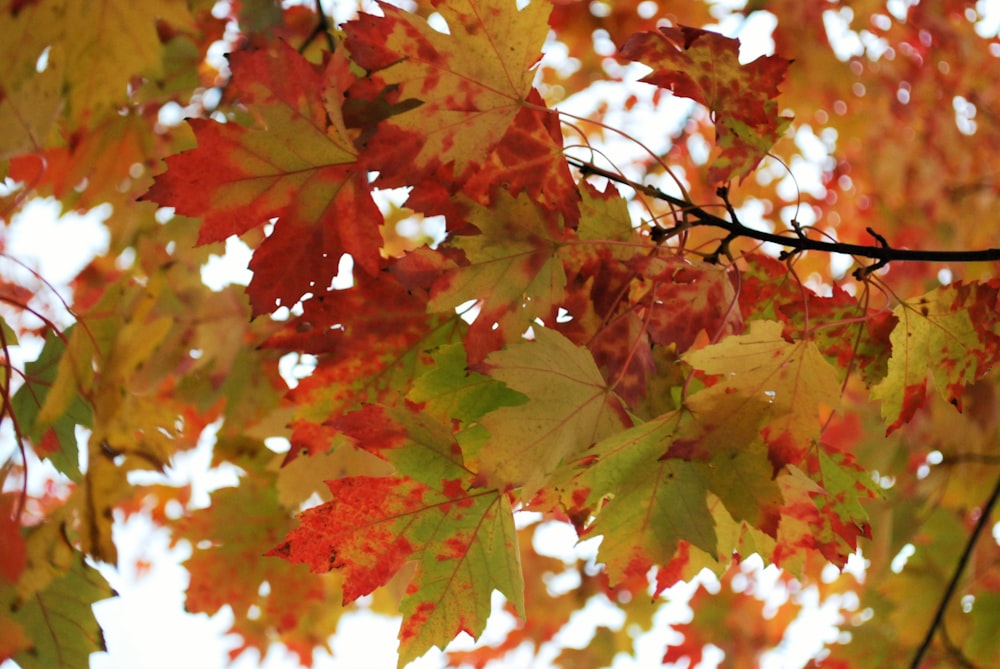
x,y
984,518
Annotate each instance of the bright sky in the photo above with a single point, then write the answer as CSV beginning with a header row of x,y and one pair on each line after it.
x,y
146,626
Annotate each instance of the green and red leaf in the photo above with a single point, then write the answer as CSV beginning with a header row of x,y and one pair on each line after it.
x,y
704,66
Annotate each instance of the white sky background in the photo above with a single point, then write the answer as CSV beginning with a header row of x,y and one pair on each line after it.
x,y
146,626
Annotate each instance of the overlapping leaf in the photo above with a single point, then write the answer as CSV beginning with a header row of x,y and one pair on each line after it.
x,y
769,292
418,446
450,391
365,355
464,544
686,300
462,539
793,380
513,268
98,47
712,445
227,571
57,619
296,164
656,502
570,408
53,434
471,81
948,335
704,66
529,159
733,620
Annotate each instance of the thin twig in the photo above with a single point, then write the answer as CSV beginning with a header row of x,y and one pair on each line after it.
x,y
983,521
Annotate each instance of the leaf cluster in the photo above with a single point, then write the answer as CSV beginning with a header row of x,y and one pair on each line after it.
x,y
499,318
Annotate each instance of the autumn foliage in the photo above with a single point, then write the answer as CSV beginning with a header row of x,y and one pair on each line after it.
x,y
515,266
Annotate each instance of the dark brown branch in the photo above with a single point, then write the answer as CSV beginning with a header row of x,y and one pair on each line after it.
x,y
984,518
322,27
882,253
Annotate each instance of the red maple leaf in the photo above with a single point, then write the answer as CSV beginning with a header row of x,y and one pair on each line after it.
x,y
704,66
464,543
297,164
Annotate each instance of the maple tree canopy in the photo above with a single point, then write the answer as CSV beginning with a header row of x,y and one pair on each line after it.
x,y
530,264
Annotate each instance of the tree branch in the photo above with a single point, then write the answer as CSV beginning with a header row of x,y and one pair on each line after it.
x,y
882,253
984,518
322,27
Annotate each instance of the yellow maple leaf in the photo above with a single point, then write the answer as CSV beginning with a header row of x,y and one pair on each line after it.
x,y
472,81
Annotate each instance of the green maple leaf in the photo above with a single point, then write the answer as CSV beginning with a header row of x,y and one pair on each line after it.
x,y
947,335
569,407
715,428
513,268
651,503
452,391
59,620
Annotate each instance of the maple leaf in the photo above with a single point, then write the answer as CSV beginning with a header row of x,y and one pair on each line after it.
x,y
363,352
512,267
31,107
569,408
57,618
107,164
655,502
297,165
704,66
793,379
418,447
768,292
464,543
685,300
733,620
43,378
712,445
948,335
98,48
226,570
472,82
598,272
813,519
529,159
451,391
766,288
842,344
337,324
